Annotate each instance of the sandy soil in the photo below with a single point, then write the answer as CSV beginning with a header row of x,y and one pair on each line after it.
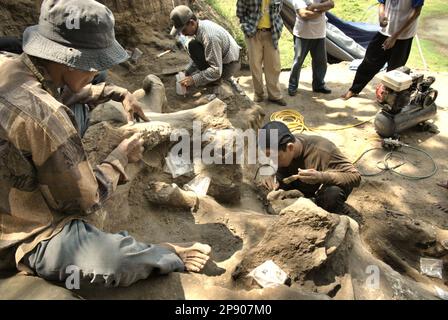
x,y
386,192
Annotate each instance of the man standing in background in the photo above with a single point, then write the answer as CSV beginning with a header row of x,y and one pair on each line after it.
x,y
392,44
310,31
262,26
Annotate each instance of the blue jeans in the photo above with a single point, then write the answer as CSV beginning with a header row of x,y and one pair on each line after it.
x,y
319,62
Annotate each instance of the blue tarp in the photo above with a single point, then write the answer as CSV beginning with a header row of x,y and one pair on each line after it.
x,y
360,32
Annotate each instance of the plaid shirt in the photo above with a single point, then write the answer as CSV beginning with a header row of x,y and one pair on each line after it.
x,y
45,177
249,13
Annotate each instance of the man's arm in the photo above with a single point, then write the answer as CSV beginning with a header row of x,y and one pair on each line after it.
x,y
390,42
241,10
306,14
213,56
68,183
341,171
96,94
321,7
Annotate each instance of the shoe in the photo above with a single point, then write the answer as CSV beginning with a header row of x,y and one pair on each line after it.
x,y
258,99
324,90
280,102
292,93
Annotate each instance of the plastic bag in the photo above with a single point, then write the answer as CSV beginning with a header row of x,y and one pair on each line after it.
x,y
269,275
431,267
178,166
199,185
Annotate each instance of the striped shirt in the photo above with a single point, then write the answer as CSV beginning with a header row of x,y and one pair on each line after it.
x,y
220,48
249,12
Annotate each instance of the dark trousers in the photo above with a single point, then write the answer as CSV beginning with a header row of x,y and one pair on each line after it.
x,y
376,57
197,54
319,61
332,198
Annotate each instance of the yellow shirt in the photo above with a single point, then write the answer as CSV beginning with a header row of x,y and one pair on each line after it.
x,y
265,21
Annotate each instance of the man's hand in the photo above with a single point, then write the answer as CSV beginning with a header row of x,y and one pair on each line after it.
x,y
133,108
187,82
311,176
313,7
383,21
389,43
270,183
132,147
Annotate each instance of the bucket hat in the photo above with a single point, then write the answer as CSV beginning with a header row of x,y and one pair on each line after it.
x,y
76,33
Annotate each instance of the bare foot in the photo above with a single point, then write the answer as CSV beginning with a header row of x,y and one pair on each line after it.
x,y
348,95
194,254
443,185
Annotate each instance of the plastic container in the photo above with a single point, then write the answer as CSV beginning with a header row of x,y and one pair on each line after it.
x,y
397,80
432,267
180,89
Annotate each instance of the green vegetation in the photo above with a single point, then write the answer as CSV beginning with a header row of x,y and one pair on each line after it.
x,y
351,10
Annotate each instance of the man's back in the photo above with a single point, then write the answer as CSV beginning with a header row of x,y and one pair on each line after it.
x,y
211,33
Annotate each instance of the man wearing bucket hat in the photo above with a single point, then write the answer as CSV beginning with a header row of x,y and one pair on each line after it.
x,y
49,192
214,52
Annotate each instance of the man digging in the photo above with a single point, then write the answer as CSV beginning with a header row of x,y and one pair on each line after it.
x,y
311,164
49,191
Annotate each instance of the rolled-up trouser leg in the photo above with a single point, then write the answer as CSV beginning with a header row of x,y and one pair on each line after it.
x,y
332,198
104,258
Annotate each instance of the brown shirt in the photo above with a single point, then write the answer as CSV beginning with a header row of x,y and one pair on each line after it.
x,y
45,178
322,155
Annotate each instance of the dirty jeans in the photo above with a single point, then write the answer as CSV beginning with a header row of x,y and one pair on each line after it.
x,y
103,258
319,62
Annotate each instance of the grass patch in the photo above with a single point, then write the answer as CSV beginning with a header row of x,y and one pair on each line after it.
x,y
350,10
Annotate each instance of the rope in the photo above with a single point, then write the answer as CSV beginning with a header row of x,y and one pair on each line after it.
x,y
295,121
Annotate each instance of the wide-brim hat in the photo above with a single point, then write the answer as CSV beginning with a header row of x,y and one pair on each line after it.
x,y
76,33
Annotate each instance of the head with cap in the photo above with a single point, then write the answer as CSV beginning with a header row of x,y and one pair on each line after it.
x,y
284,145
75,39
184,21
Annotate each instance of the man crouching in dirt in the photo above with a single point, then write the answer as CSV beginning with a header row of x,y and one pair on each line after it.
x,y
49,191
321,171
214,52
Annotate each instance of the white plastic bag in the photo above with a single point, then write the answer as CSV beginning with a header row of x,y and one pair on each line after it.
x,y
431,267
269,275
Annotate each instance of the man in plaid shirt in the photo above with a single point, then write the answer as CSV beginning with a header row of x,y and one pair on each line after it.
x,y
262,25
